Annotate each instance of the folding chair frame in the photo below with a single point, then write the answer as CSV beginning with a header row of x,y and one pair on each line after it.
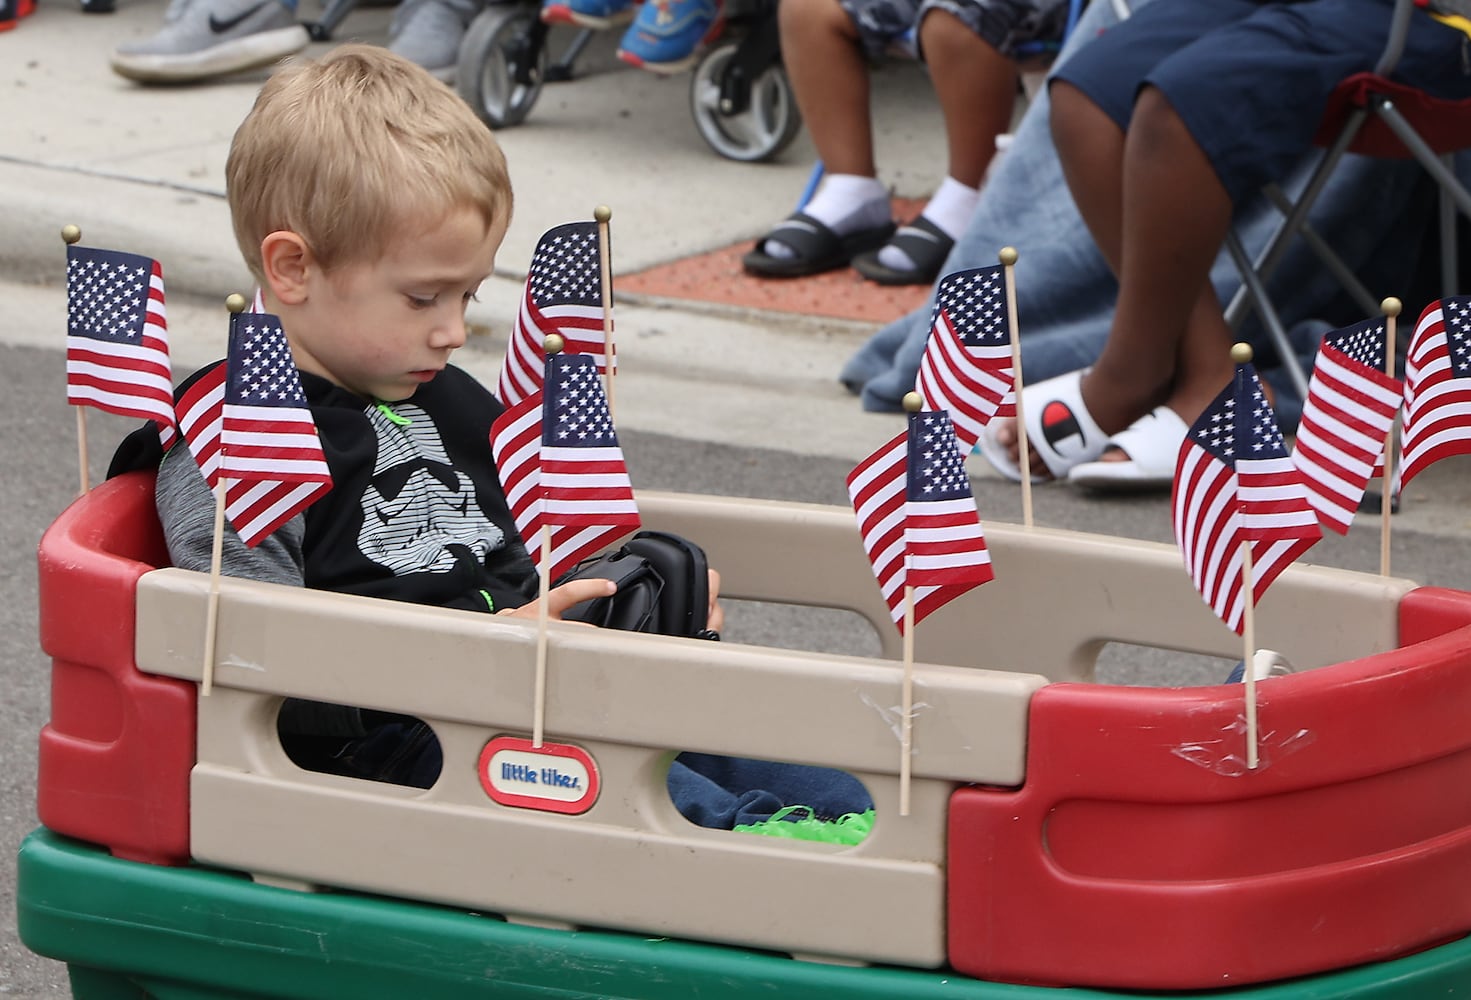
x,y
1453,195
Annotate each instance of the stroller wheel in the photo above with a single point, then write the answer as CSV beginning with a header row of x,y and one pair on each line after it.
x,y
503,61
754,128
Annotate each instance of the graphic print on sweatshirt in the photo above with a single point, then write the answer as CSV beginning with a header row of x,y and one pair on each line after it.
x,y
420,514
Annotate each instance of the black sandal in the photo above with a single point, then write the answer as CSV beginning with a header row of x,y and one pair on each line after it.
x,y
815,246
923,242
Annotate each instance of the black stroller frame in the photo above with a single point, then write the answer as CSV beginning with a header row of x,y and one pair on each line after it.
x,y
740,98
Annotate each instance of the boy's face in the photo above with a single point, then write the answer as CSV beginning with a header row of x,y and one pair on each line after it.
x,y
383,328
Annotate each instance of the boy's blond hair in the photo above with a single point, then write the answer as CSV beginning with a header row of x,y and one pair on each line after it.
x,y
354,150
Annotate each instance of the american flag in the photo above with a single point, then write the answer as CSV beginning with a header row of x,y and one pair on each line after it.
x,y
1235,482
564,295
966,367
559,462
117,341
249,421
918,519
1437,387
1348,413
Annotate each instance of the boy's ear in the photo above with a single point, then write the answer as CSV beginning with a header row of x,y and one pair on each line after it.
x,y
287,262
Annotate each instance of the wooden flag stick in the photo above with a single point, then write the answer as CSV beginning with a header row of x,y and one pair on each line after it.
x,y
906,704
543,616
602,214
1391,307
552,344
235,304
82,449
1007,256
1248,635
70,234
212,609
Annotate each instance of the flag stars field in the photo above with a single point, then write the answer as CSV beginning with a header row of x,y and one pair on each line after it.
x,y
264,358
106,304
577,405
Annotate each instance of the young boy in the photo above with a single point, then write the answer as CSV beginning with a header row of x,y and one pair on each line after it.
x,y
369,203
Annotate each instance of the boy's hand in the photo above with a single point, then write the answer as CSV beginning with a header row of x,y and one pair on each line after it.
x,y
561,598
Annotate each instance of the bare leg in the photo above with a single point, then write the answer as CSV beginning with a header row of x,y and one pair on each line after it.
x,y
830,82
1159,215
1168,341
976,86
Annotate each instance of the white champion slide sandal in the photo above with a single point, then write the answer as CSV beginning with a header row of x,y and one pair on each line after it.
x,y
1152,444
1059,429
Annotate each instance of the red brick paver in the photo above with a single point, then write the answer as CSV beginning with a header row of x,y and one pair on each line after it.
x,y
717,277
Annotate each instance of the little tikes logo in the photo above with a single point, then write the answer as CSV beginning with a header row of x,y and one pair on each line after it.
x,y
554,777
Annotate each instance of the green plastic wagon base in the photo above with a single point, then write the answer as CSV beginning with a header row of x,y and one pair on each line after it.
x,y
130,931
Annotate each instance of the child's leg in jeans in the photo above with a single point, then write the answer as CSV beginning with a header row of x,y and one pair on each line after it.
x,y
721,792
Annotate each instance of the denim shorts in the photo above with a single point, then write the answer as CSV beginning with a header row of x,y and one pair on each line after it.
x,y
1006,25
1251,79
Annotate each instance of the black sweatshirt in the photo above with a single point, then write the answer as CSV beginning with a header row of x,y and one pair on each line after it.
x,y
416,511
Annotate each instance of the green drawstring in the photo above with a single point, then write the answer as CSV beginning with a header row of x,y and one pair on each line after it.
x,y
393,418
489,602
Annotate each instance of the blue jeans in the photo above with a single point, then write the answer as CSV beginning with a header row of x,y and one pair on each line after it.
x,y
725,792
1372,212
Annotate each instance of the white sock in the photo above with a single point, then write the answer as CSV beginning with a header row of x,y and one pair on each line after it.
x,y
949,209
844,203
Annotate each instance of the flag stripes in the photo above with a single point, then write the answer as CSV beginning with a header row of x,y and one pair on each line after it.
x,y
1347,416
563,295
201,417
248,421
581,329
917,518
877,490
1222,498
973,388
578,488
966,368
1437,421
944,541
1206,530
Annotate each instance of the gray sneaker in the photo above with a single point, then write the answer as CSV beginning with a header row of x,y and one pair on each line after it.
x,y
206,38
429,33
